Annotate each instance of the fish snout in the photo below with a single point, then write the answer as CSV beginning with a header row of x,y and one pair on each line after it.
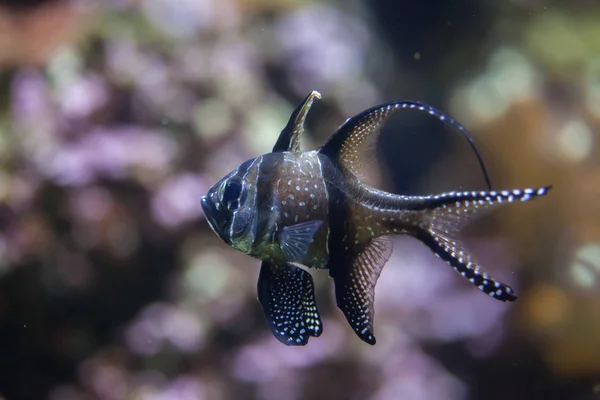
x,y
213,217
209,209
204,204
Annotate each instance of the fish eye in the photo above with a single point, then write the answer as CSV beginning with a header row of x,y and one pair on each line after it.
x,y
232,193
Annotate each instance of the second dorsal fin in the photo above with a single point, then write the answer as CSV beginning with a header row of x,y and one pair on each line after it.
x,y
354,143
289,138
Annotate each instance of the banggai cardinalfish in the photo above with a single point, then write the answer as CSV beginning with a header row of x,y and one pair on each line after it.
x,y
297,209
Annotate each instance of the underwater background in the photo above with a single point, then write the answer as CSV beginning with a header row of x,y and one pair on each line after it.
x,y
116,116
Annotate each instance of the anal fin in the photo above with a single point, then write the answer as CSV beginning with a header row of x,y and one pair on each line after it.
x,y
286,293
355,286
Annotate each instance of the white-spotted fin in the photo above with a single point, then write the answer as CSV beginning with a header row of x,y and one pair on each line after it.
x,y
287,295
354,143
454,210
295,240
355,289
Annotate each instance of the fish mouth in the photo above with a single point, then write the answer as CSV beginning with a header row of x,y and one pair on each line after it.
x,y
210,212
205,204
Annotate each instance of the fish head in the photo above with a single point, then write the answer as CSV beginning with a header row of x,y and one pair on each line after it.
x,y
230,207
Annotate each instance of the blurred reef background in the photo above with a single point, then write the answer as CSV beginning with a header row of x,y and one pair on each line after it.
x,y
117,115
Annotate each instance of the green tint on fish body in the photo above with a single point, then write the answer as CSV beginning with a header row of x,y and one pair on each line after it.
x,y
296,210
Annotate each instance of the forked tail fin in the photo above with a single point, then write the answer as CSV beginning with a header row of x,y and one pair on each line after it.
x,y
448,215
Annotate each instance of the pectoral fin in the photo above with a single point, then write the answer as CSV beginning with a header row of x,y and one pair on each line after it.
x,y
286,293
295,240
355,286
289,138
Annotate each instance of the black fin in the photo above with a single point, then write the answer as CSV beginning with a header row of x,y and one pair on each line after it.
x,y
295,240
354,143
355,286
287,295
289,138
451,213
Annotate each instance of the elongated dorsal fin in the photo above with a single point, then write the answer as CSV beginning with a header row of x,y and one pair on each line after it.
x,y
289,138
354,143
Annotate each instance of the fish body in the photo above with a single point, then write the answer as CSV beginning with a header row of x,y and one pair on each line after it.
x,y
298,210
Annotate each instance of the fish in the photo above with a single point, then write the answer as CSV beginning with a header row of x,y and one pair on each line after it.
x,y
300,210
